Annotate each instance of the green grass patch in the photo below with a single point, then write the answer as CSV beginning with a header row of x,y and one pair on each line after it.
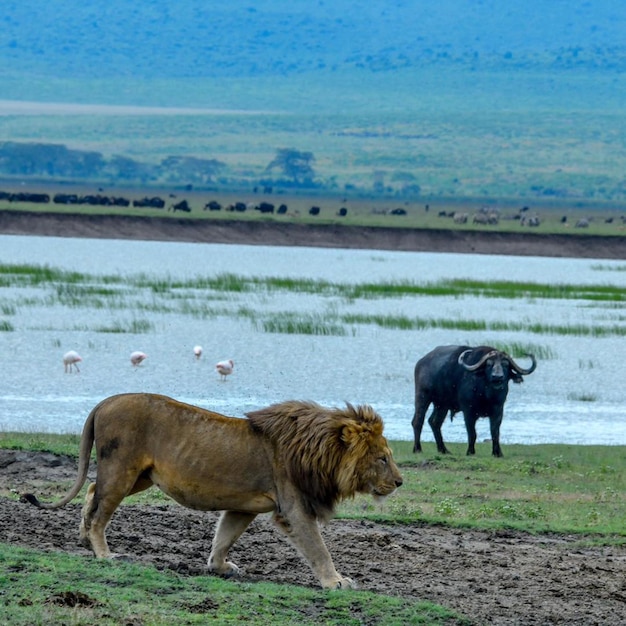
x,y
293,324
538,488
56,588
582,397
133,326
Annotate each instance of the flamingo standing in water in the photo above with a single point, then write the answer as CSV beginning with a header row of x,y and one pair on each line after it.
x,y
197,350
225,368
70,359
137,357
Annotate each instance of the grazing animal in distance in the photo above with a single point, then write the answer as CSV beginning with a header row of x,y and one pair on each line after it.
x,y
137,357
197,351
460,378
71,359
225,368
296,460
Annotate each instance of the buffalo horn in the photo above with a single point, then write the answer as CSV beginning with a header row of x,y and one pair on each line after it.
x,y
473,368
521,370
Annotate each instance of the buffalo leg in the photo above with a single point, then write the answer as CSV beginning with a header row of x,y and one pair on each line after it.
x,y
470,426
418,423
494,424
436,420
229,529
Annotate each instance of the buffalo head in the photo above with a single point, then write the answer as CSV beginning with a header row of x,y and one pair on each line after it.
x,y
499,366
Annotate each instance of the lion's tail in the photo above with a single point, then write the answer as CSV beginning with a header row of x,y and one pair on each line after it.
x,y
86,443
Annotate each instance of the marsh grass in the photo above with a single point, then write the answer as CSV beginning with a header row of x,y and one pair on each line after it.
x,y
517,349
194,296
133,326
30,275
582,397
6,326
289,323
417,323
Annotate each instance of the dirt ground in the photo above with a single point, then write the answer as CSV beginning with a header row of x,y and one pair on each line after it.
x,y
491,577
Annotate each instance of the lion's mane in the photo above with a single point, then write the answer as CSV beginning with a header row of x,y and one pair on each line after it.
x,y
325,452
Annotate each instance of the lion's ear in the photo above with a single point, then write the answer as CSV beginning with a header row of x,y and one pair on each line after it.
x,y
348,435
353,433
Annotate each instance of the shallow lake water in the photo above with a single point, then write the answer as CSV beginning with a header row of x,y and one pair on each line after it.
x,y
577,394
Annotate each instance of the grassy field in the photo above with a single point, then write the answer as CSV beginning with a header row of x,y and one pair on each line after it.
x,y
408,136
542,488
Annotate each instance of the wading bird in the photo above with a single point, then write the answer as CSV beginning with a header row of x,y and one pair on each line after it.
x,y
71,358
197,350
225,368
137,357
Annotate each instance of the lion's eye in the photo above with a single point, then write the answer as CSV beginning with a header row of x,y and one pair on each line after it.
x,y
383,460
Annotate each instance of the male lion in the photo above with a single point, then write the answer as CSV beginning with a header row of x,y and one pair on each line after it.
x,y
295,459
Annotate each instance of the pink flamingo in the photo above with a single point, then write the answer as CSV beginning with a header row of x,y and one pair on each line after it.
x,y
197,350
225,368
71,358
137,357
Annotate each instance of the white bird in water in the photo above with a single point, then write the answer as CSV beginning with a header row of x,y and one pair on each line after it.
x,y
71,358
137,357
225,368
197,350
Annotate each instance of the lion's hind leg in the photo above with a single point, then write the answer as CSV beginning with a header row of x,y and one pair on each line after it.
x,y
92,533
229,528
86,513
101,500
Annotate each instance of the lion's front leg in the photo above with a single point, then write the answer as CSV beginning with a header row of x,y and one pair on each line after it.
x,y
303,531
229,528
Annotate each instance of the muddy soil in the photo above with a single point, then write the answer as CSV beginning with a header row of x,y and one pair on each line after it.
x,y
491,577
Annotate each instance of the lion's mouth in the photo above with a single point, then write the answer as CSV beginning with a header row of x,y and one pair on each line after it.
x,y
381,493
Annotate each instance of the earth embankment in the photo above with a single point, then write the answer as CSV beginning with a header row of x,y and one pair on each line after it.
x,y
316,235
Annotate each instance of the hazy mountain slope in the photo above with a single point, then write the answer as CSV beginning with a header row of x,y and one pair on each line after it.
x,y
504,98
195,38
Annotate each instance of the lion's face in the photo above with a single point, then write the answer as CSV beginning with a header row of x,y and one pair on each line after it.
x,y
373,467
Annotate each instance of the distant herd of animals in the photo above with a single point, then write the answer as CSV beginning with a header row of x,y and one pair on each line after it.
x,y
485,216
157,202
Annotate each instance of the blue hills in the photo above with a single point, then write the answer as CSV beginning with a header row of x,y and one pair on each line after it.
x,y
160,39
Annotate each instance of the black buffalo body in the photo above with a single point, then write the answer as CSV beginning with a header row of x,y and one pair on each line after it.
x,y
474,381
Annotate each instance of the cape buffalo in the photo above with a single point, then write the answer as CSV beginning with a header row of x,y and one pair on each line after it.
x,y
460,378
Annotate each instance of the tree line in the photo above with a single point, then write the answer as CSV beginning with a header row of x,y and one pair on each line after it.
x,y
58,161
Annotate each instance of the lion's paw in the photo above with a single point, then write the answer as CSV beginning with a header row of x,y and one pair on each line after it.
x,y
124,558
344,583
227,569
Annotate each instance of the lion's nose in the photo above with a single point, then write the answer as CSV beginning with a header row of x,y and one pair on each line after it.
x,y
399,482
